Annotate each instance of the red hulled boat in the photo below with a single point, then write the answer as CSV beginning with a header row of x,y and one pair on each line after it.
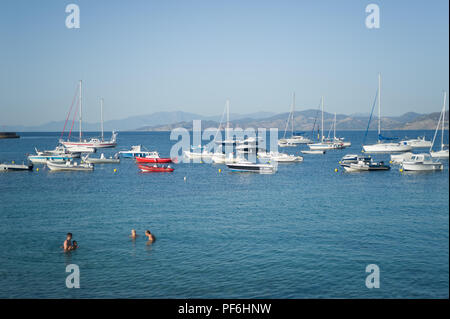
x,y
153,160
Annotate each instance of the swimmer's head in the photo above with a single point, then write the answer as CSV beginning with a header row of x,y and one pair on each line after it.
x,y
75,243
147,232
69,235
133,232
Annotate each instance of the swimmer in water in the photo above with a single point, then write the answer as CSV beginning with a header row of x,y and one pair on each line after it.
x,y
133,234
68,242
74,245
151,237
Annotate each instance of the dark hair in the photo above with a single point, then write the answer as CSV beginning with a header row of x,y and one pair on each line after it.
x,y
69,234
75,242
147,231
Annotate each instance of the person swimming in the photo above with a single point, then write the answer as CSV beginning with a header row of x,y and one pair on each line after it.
x,y
74,245
133,234
68,242
150,236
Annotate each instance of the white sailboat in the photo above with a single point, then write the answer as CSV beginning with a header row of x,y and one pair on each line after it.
x,y
381,147
84,145
323,144
443,153
335,138
294,140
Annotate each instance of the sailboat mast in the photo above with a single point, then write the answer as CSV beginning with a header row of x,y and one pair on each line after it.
x,y
101,116
321,129
443,121
293,112
334,134
81,106
228,120
379,105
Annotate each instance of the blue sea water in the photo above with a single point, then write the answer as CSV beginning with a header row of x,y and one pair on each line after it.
x,y
304,232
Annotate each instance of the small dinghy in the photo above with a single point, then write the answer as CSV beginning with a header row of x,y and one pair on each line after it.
x,y
316,152
155,168
153,160
15,167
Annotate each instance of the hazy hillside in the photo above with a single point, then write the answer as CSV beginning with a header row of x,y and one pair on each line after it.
x,y
306,120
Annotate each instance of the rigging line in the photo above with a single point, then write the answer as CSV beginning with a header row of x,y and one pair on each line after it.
x,y
73,121
70,111
370,117
220,124
315,120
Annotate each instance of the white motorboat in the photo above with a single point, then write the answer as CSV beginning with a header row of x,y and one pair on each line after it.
x,y
138,151
218,158
69,166
42,158
380,146
419,142
199,152
443,152
349,159
295,139
362,164
421,162
93,142
315,152
102,160
247,166
400,158
60,150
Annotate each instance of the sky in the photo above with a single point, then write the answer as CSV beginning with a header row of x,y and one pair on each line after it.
x,y
145,56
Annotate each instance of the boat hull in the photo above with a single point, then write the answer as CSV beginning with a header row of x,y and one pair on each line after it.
x,y
153,169
15,167
320,152
36,159
325,146
65,167
102,161
387,148
407,166
256,168
153,160
358,168
440,154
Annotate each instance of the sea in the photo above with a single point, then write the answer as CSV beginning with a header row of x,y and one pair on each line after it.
x,y
307,231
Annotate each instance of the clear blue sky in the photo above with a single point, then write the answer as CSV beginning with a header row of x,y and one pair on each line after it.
x,y
148,56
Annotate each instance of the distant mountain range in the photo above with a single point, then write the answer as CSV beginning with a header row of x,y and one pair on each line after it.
x,y
304,121
132,123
